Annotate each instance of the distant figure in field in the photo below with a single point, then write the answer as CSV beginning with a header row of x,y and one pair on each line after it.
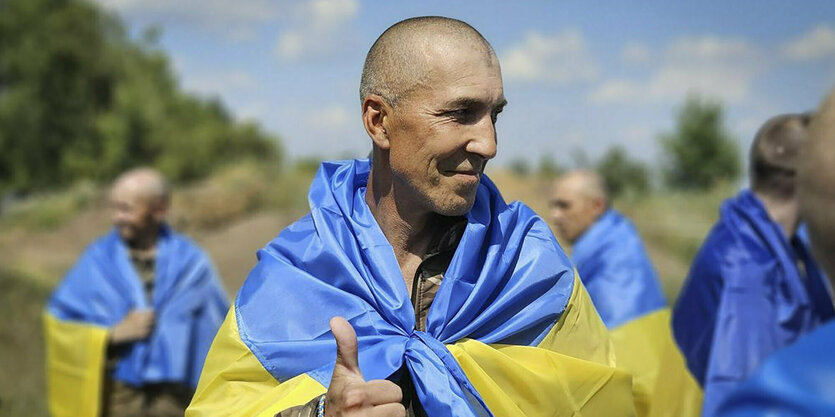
x,y
753,287
800,379
606,249
130,325
613,264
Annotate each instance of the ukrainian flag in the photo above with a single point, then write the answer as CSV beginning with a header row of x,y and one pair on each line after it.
x,y
511,331
613,264
99,291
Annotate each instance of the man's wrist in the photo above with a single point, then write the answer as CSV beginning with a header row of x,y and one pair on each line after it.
x,y
320,407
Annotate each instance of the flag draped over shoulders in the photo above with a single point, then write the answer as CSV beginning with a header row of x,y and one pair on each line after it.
x,y
745,297
508,292
616,270
100,290
796,381
624,287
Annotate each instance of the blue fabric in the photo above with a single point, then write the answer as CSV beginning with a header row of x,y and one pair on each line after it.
x,y
189,305
744,298
508,282
616,270
797,381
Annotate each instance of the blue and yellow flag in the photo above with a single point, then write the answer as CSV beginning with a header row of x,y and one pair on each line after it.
x,y
99,291
624,287
745,297
511,332
616,270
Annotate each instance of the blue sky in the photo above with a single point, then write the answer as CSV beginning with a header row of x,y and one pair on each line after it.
x,y
579,75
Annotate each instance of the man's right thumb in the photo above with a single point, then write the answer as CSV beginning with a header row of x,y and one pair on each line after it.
x,y
346,345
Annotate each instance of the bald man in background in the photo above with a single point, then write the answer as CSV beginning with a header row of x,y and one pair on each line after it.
x,y
753,287
606,249
799,380
128,328
615,268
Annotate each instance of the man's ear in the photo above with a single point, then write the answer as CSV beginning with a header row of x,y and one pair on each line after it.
x,y
599,206
160,210
375,110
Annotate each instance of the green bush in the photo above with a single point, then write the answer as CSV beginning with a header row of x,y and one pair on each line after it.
x,y
700,153
81,100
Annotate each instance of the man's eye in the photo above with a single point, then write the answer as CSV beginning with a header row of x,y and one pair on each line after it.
x,y
458,114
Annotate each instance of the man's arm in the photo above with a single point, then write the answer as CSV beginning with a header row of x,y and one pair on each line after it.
x,y
137,325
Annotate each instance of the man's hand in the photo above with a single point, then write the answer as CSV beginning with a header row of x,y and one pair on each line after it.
x,y
137,325
349,394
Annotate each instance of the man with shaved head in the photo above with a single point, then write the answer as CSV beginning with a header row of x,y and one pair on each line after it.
x,y
800,379
615,268
129,327
412,288
754,286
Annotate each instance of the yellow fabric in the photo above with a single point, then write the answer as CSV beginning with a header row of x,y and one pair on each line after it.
x,y
75,357
639,346
570,373
234,383
676,392
580,333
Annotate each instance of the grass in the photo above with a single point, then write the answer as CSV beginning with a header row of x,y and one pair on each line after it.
x,y
21,346
48,211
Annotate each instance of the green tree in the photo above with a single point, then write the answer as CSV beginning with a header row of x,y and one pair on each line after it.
x,y
520,167
622,174
548,168
80,99
700,152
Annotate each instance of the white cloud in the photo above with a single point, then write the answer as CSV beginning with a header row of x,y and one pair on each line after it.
x,y
320,30
560,58
332,118
220,83
636,53
717,67
231,18
818,43
615,91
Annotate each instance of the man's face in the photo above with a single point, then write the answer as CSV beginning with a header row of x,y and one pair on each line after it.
x,y
572,212
133,214
443,133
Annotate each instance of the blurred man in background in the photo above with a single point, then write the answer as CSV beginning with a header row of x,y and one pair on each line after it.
x,y
606,249
129,327
615,268
800,379
753,287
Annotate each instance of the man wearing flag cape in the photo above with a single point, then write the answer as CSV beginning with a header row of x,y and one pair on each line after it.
x,y
128,328
799,380
412,288
615,268
753,287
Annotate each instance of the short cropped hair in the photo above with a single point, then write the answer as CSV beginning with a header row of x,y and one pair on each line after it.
x,y
775,154
394,65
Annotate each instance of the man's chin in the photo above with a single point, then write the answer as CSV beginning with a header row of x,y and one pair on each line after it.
x,y
457,206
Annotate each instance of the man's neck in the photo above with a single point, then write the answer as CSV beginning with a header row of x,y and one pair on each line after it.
x,y
408,230
146,242
784,212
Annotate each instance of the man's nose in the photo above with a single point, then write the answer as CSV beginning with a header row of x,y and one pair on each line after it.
x,y
483,142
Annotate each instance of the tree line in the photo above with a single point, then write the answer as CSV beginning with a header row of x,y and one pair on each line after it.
x,y
697,155
79,98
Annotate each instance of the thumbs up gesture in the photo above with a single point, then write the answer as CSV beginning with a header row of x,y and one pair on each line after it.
x,y
349,394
